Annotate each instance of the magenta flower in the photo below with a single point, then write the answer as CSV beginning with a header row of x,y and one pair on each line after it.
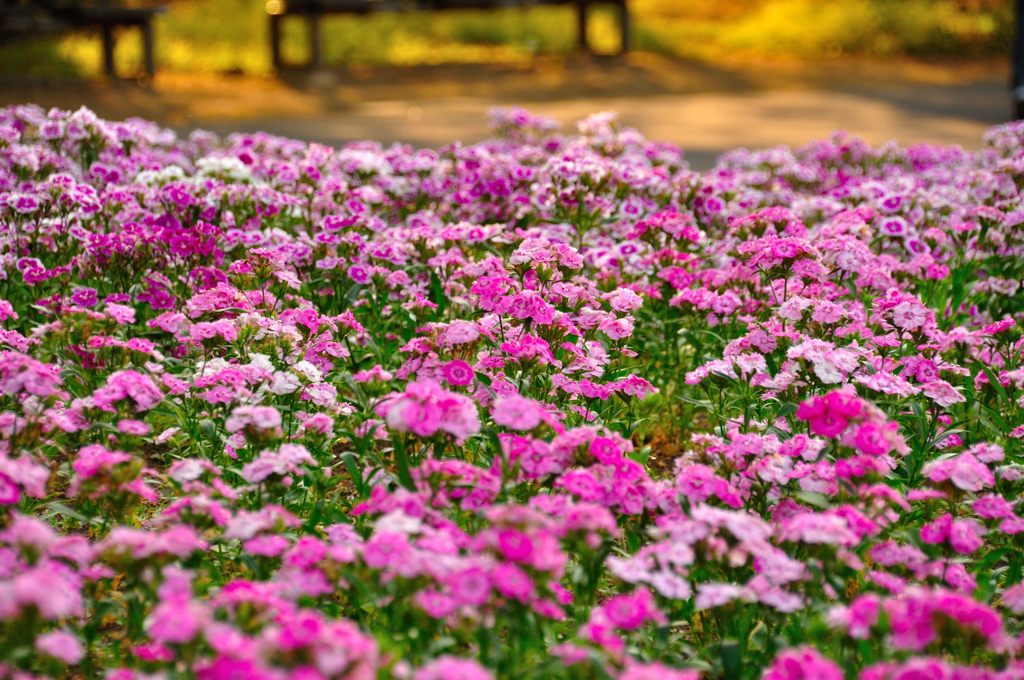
x,y
10,494
937,531
458,373
630,611
515,400
829,416
515,545
870,438
802,663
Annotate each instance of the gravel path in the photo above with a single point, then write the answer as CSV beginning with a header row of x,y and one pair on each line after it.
x,y
706,110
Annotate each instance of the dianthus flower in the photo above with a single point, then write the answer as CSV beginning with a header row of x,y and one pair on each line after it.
x,y
516,412
457,373
632,610
802,663
828,416
61,645
452,668
131,385
425,408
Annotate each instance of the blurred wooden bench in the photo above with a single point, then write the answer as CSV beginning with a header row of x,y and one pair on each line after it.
x,y
312,11
26,18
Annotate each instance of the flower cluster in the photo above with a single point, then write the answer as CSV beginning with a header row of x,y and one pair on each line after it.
x,y
551,405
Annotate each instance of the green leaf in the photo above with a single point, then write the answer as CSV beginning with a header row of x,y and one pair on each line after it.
x,y
402,460
994,381
814,499
437,295
731,662
57,508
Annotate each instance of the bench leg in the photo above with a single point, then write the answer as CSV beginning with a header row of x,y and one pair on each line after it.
x,y
275,41
624,27
1017,78
108,49
581,25
315,55
148,48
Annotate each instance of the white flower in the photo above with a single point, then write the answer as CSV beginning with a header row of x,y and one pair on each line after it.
x,y
284,383
261,361
398,522
308,371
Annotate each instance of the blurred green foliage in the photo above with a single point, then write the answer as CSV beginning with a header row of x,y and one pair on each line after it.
x,y
231,35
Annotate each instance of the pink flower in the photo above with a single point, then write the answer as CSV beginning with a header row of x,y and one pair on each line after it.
x,y
94,458
915,622
135,427
459,332
288,460
176,620
515,545
436,605
470,587
914,669
131,385
513,582
1013,598
599,631
942,393
992,506
386,549
959,578
10,494
636,670
458,372
358,273
968,473
910,315
20,373
828,416
987,453
372,374
802,663
624,300
870,438
122,314
923,370
863,614
452,668
630,611
606,450
61,645
965,536
936,531
964,471
95,461
711,595
516,412
257,417
425,408
266,546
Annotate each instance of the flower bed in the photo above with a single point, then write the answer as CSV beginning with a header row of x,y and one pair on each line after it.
x,y
546,406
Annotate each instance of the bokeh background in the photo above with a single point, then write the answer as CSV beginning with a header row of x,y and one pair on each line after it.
x,y
216,36
706,74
